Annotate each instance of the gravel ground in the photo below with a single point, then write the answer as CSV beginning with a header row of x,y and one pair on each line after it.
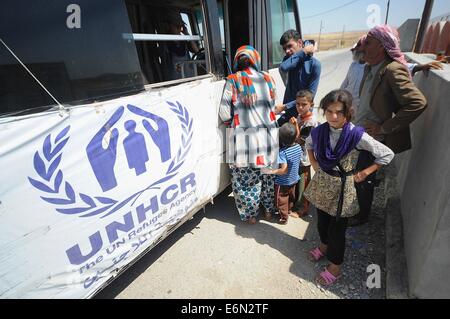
x,y
365,245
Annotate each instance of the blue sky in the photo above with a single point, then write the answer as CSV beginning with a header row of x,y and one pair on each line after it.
x,y
354,16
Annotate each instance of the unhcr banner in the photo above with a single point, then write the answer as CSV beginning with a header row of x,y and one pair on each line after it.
x,y
83,194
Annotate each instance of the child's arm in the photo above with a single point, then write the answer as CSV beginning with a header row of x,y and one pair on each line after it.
x,y
362,175
279,171
294,122
282,168
383,156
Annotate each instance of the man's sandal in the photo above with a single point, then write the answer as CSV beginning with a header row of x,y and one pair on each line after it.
x,y
316,254
327,277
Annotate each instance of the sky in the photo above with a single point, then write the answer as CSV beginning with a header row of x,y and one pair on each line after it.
x,y
355,16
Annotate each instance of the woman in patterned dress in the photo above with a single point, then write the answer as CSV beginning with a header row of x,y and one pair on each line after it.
x,y
252,138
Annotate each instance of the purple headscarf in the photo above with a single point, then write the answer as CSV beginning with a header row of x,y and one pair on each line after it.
x,y
327,158
390,40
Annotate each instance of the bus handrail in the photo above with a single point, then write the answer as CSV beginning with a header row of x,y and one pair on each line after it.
x,y
160,37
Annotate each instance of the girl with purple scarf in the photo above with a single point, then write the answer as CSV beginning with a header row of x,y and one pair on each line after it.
x,y
333,151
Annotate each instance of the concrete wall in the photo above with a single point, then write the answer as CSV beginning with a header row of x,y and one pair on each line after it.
x,y
424,185
408,33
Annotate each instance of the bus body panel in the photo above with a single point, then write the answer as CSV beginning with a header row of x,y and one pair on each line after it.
x,y
88,191
89,187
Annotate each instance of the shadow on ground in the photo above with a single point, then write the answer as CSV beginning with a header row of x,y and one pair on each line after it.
x,y
132,273
293,241
364,247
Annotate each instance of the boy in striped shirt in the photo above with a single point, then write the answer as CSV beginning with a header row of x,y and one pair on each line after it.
x,y
287,177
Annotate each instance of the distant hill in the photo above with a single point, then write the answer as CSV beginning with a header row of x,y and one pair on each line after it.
x,y
335,40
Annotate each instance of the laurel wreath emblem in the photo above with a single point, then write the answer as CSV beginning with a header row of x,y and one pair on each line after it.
x,y
52,178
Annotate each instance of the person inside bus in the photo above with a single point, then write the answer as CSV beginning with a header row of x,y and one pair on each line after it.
x,y
247,106
303,72
176,53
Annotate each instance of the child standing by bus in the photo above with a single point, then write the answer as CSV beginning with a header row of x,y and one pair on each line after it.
x,y
287,174
333,151
306,122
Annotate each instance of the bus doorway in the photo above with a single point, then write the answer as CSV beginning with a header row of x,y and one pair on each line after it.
x,y
236,24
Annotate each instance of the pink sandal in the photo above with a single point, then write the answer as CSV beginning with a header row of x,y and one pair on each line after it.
x,y
316,254
328,277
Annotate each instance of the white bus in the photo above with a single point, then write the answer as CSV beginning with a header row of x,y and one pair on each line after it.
x,y
109,129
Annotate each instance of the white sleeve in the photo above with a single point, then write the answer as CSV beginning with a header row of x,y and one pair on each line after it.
x,y
346,81
309,143
383,154
225,103
411,66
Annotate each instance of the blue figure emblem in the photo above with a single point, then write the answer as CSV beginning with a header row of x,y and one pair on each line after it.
x,y
134,145
160,136
102,160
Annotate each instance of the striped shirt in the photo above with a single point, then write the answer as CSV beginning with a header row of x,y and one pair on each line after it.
x,y
290,156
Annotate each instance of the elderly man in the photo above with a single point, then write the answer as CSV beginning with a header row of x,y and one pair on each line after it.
x,y
389,102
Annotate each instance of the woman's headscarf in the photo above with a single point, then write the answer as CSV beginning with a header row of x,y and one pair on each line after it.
x,y
390,40
242,85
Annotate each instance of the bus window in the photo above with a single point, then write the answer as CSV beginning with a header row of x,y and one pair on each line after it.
x,y
78,53
281,18
169,39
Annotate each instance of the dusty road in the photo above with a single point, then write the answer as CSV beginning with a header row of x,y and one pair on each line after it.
x,y
215,255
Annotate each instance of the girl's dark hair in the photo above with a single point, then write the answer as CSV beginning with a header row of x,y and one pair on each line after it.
x,y
243,63
343,96
287,134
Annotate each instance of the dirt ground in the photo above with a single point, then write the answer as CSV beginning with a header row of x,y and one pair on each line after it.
x,y
215,255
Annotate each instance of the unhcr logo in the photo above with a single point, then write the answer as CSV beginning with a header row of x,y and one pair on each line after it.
x,y
102,159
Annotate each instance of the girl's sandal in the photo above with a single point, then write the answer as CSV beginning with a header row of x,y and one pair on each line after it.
x,y
326,278
315,254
